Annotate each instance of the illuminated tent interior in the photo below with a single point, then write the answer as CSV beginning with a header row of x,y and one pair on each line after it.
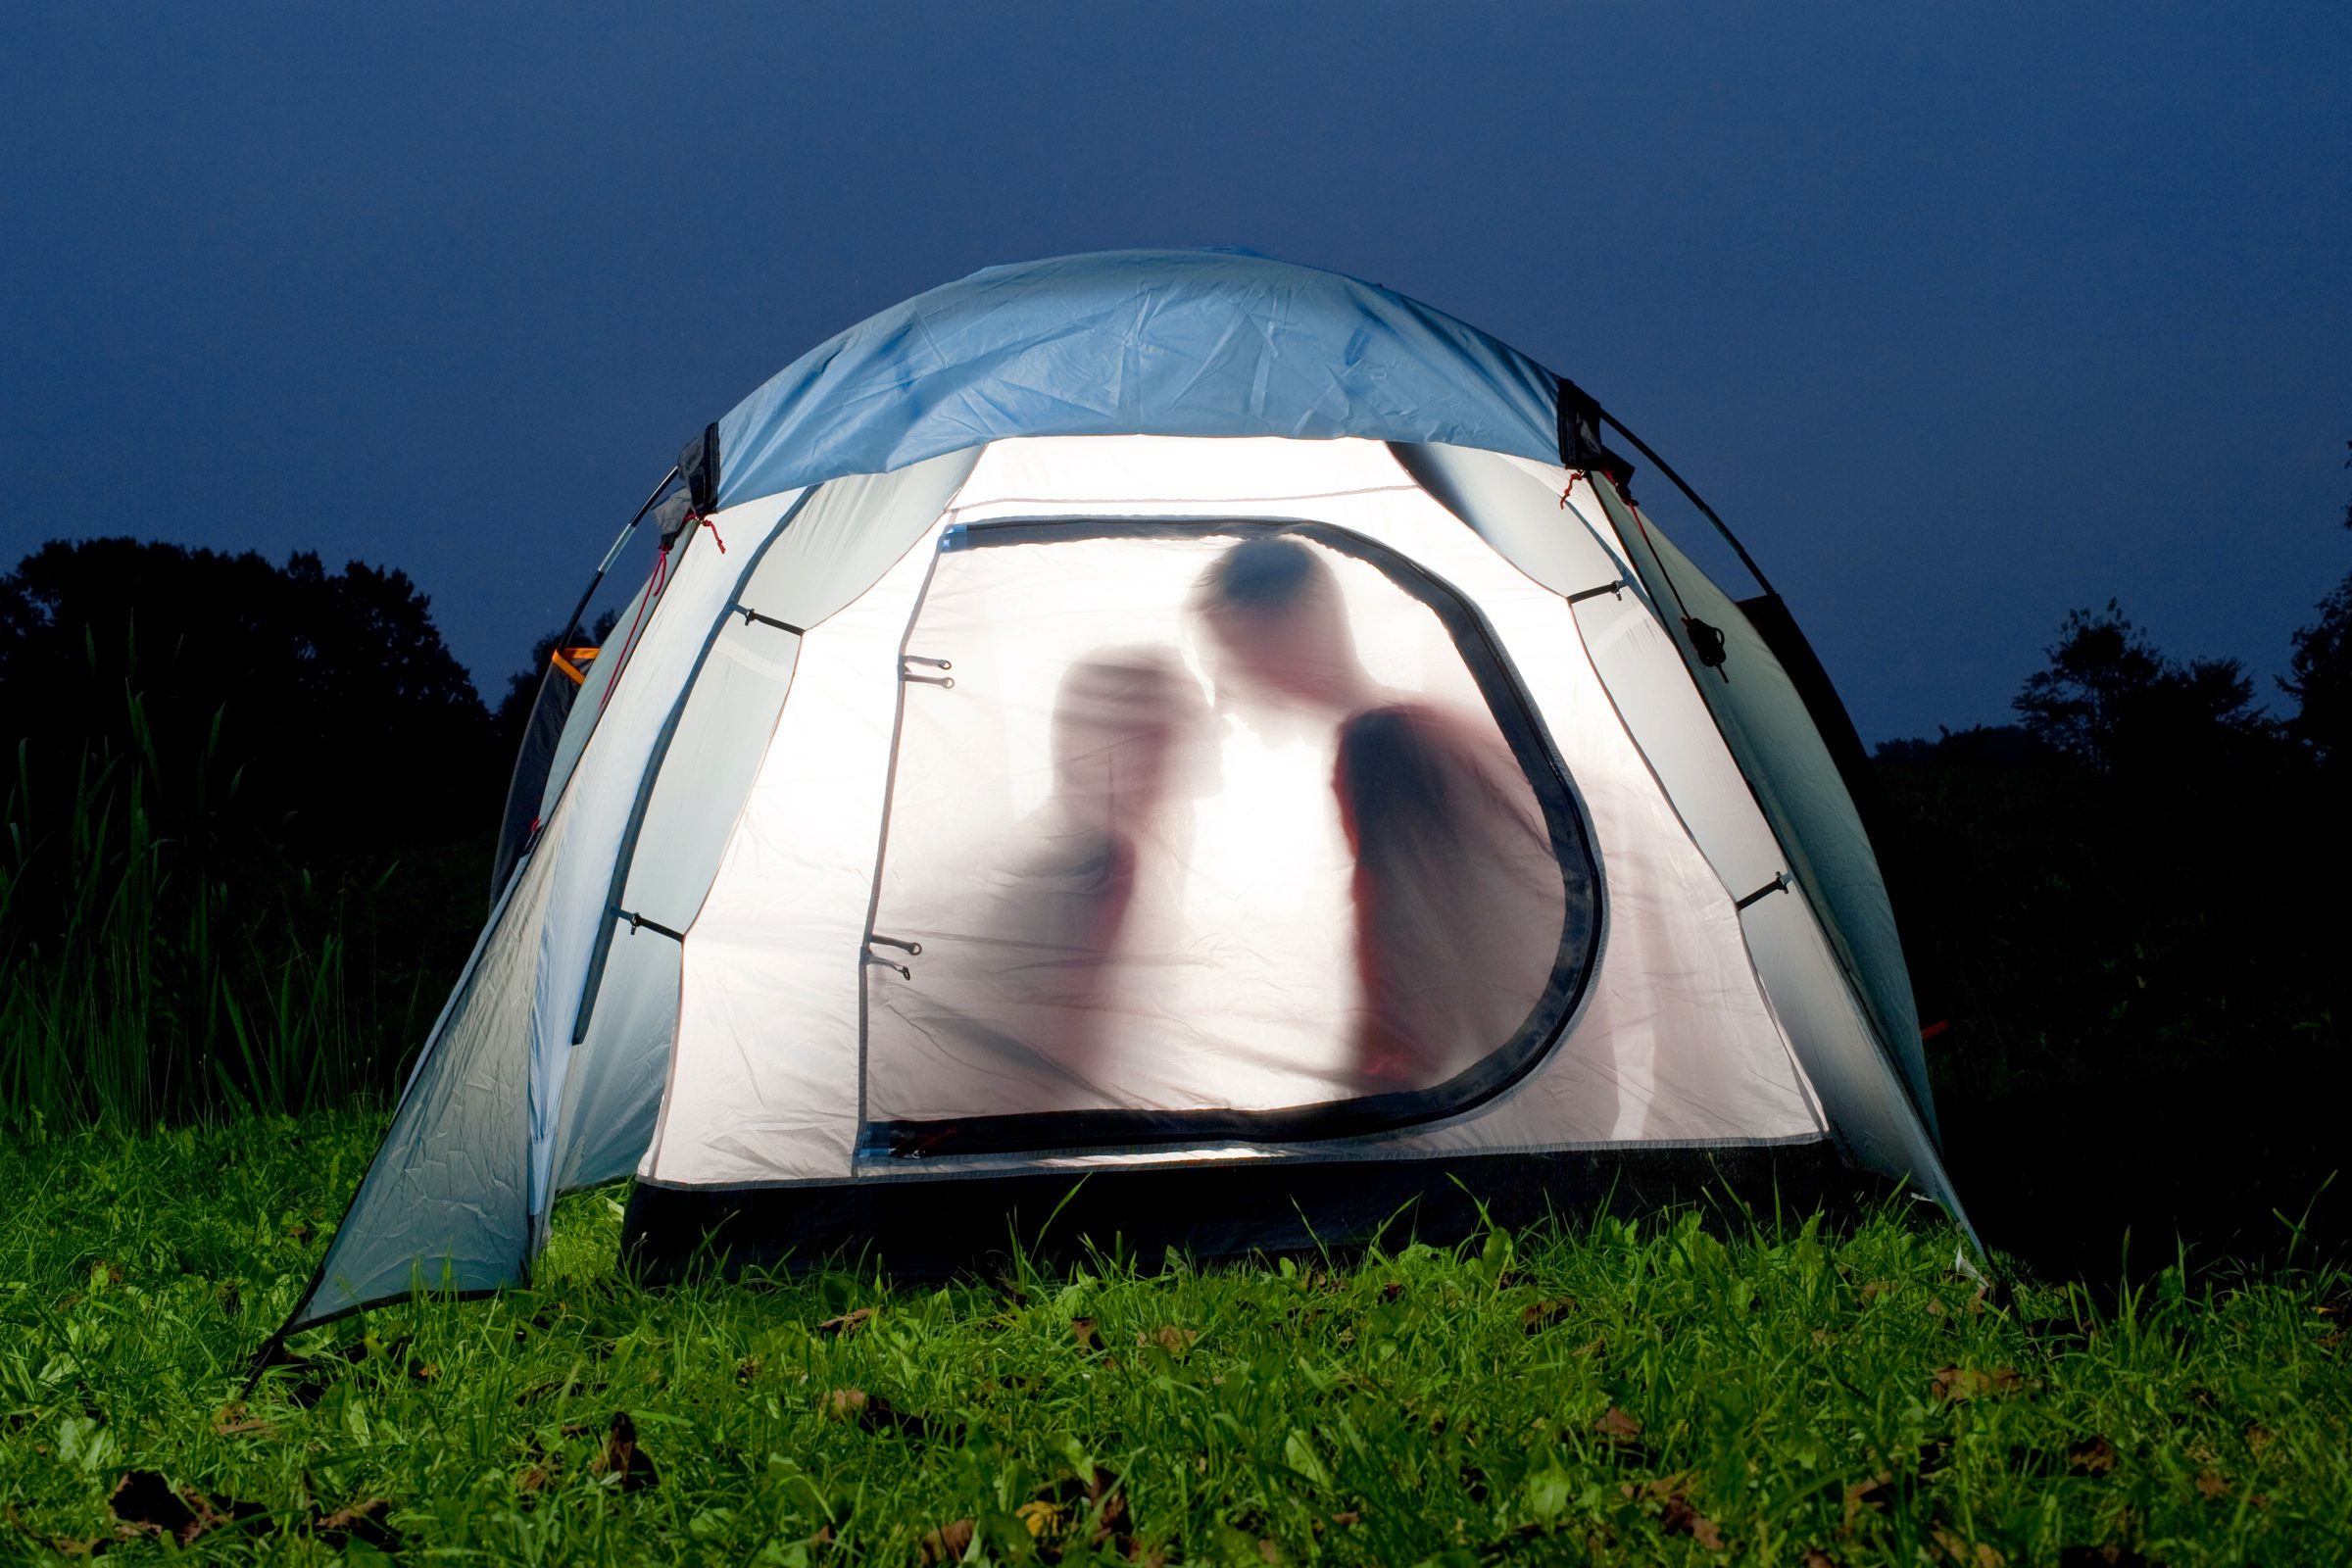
x,y
1208,742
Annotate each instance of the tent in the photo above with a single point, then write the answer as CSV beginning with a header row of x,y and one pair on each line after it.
x,y
1212,727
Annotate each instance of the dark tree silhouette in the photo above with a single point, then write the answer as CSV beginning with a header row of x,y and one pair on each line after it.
x,y
2322,678
2109,698
329,697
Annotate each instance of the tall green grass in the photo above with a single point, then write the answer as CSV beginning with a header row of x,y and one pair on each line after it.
x,y
160,960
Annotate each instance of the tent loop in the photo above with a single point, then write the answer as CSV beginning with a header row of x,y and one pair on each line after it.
x,y
749,615
638,922
1707,642
943,682
904,973
1615,590
1779,884
914,949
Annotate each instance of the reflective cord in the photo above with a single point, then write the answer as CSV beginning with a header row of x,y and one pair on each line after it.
x,y
628,644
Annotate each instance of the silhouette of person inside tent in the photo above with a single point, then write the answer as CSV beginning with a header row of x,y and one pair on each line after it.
x,y
1128,738
1459,898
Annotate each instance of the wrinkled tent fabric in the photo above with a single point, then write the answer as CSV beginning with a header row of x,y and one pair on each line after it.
x,y
690,976
1134,343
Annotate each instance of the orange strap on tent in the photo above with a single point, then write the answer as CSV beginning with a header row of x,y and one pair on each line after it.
x,y
571,660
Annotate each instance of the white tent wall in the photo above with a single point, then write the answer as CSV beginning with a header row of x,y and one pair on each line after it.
x,y
805,569
765,1073
1779,749
1672,708
451,1196
1675,1034
1542,519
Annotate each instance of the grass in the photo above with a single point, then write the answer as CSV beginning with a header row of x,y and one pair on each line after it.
x,y
160,960
1671,1392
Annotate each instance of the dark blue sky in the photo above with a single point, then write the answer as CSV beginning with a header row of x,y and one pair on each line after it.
x,y
1962,315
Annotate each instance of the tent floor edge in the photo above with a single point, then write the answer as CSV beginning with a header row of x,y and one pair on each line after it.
x,y
933,1228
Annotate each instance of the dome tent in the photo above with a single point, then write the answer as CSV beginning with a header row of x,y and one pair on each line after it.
x,y
1206,725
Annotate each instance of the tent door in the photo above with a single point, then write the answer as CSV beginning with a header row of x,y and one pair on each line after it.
x,y
1170,857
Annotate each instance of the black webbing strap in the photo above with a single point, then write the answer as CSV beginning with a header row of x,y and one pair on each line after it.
x,y
638,922
1580,436
697,466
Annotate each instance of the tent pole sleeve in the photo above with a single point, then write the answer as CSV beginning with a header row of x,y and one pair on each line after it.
x,y
627,853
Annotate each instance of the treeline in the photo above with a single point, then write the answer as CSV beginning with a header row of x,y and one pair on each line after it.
x,y
2129,908
2108,698
247,815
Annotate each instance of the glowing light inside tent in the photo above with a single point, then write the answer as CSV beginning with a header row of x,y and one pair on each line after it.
x,y
1119,841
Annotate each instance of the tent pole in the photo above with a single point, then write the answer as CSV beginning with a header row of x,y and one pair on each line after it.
x,y
572,624
1684,485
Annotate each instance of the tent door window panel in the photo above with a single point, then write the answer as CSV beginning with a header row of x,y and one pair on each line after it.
x,y
1222,829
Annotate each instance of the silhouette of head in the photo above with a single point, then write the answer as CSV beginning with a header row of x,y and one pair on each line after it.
x,y
1124,721
1274,609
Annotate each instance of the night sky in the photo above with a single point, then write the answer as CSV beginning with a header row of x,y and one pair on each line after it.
x,y
1962,315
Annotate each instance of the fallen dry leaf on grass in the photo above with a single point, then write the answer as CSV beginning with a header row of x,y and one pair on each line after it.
x,y
2211,1484
621,1457
871,1411
1956,1383
2097,1458
1861,1495
361,1521
1677,1514
1098,1501
1617,1426
1962,1552
1680,1518
1042,1519
1171,1338
1542,1314
947,1543
231,1421
1082,1329
848,1323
